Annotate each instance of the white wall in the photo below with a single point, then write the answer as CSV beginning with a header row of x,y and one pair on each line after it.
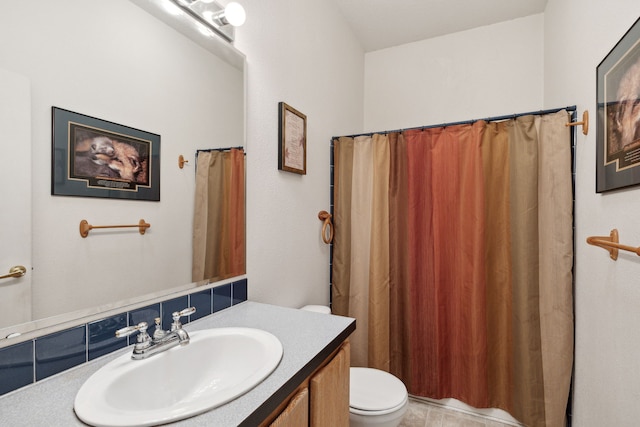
x,y
114,61
487,71
301,53
578,35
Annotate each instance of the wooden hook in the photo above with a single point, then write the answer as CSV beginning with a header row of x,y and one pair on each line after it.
x,y
181,161
584,123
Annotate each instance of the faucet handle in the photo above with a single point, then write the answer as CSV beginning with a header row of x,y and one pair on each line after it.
x,y
159,333
143,340
125,332
178,314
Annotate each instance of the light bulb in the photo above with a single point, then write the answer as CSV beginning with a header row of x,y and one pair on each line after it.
x,y
235,14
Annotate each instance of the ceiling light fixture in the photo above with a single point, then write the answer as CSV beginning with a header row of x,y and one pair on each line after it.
x,y
221,20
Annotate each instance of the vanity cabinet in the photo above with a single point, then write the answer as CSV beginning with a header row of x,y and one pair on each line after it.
x,y
322,399
296,413
310,387
329,392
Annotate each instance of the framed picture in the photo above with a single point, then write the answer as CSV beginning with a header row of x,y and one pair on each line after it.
x,y
292,135
96,158
618,118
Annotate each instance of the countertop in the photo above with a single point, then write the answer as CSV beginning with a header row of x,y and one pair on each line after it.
x,y
307,338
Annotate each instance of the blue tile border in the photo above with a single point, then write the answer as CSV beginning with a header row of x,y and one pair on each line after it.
x,y
203,302
239,291
102,336
221,297
34,360
60,351
16,366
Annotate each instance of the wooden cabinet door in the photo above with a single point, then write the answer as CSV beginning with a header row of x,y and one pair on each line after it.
x,y
296,414
329,392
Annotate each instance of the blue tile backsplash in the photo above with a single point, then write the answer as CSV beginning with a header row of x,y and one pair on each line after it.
x,y
16,366
60,351
203,302
221,297
27,362
239,291
102,338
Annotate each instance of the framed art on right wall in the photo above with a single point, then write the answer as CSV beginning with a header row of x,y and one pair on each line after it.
x,y
618,118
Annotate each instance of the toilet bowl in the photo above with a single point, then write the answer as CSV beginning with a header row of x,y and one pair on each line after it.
x,y
376,398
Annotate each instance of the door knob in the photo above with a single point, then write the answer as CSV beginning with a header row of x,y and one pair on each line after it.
x,y
17,271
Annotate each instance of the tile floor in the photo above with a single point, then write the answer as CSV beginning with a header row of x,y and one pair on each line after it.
x,y
425,414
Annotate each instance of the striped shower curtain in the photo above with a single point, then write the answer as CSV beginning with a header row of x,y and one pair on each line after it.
x,y
219,212
453,250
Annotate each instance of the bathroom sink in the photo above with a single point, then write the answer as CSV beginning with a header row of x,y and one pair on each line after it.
x,y
215,367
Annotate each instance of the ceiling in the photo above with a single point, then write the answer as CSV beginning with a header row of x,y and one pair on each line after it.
x,y
379,24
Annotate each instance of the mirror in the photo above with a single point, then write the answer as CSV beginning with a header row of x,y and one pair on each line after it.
x,y
117,62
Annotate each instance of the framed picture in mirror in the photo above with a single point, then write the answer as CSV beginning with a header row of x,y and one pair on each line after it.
x,y
92,157
292,136
618,119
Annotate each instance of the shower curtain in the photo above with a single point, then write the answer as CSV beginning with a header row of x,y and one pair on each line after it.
x,y
218,222
453,249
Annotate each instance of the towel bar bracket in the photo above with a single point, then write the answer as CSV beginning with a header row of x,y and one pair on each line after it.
x,y
611,244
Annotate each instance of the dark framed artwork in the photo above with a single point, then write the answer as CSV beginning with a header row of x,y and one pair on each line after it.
x,y
618,118
92,157
292,136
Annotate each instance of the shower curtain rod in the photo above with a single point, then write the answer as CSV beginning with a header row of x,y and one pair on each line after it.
x,y
208,150
572,109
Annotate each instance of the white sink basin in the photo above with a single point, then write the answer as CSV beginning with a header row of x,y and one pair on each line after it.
x,y
217,366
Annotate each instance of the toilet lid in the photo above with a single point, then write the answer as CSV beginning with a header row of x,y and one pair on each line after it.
x,y
375,390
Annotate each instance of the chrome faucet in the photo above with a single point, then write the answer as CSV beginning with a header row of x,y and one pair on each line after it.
x,y
146,346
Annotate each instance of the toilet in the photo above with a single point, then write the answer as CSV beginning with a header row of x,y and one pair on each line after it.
x,y
376,398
